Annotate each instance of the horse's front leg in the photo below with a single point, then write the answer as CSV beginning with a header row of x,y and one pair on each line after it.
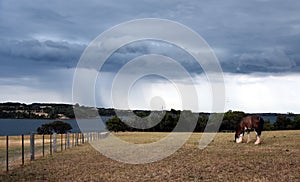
x,y
240,137
248,136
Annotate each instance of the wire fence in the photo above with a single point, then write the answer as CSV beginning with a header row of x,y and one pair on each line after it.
x,y
19,150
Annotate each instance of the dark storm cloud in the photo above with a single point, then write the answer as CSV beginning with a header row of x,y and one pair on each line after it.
x,y
41,42
48,51
252,36
139,48
32,56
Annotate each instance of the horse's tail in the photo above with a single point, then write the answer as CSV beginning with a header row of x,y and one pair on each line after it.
x,y
261,123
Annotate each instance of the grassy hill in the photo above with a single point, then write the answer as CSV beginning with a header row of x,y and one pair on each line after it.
x,y
276,159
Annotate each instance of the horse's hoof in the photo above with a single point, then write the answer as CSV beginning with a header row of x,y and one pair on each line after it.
x,y
239,140
257,141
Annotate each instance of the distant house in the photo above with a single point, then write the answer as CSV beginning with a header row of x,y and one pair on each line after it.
x,y
11,108
62,117
41,113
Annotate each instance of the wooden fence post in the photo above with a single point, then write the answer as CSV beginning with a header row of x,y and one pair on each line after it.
x,y
65,141
43,145
79,138
7,140
55,142
76,140
73,139
50,144
68,140
61,142
82,138
32,146
23,150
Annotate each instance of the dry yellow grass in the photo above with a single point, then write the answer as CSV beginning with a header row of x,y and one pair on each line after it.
x,y
276,159
15,141
15,152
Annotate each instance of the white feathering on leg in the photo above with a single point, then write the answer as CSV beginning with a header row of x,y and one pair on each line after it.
x,y
240,139
248,138
257,139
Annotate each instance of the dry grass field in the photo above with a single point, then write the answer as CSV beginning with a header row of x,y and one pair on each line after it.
x,y
15,148
276,159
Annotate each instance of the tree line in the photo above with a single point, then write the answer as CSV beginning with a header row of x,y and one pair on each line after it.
x,y
15,110
231,118
229,122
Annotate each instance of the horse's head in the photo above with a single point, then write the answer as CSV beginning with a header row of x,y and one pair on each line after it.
x,y
238,136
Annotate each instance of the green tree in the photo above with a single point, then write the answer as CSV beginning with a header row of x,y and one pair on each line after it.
x,y
115,124
231,119
283,123
44,129
169,122
55,126
61,127
297,122
201,123
268,126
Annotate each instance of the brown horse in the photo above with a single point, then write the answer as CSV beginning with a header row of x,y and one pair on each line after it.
x,y
247,124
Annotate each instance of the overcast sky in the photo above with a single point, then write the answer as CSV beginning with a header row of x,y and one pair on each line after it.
x,y
257,43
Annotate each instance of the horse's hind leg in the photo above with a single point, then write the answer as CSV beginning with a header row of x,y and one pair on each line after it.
x,y
248,137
